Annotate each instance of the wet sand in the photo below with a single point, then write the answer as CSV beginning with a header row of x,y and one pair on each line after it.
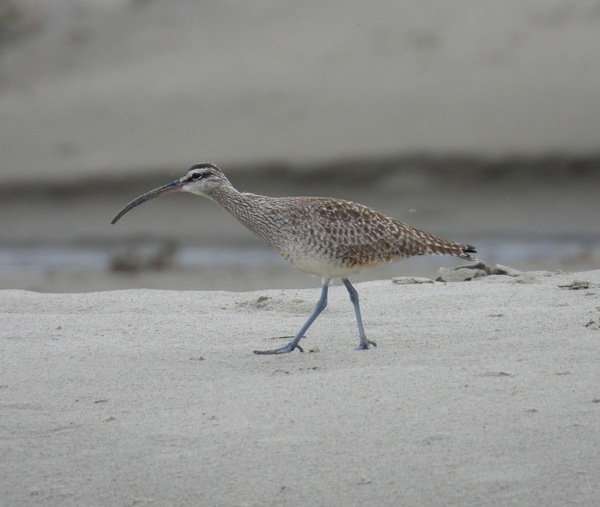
x,y
530,213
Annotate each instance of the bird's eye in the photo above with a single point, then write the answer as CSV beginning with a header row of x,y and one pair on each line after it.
x,y
196,176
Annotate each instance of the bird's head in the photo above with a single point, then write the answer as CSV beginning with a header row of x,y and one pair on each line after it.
x,y
200,179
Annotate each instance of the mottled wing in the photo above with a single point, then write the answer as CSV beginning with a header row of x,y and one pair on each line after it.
x,y
358,235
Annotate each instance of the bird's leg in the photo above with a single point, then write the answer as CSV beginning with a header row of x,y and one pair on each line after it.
x,y
364,343
320,306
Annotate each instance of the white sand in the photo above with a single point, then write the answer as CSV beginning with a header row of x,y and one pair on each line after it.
x,y
479,393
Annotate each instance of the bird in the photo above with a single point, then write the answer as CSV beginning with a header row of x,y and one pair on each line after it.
x,y
324,236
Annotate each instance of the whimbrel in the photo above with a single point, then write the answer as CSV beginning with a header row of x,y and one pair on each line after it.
x,y
328,237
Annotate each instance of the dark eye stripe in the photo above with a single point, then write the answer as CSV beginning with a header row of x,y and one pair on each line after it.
x,y
199,176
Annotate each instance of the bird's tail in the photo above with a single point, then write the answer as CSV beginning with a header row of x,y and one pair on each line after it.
x,y
423,243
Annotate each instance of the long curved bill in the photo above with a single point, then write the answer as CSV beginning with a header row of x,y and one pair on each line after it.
x,y
174,186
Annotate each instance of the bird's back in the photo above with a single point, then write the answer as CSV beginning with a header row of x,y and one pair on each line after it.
x,y
333,237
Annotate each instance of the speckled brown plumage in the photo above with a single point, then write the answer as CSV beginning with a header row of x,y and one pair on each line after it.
x,y
331,237
328,237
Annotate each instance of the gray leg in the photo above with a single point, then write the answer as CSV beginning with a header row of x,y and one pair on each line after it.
x,y
320,306
364,343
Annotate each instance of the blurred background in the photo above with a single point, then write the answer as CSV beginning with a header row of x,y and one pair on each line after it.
x,y
478,121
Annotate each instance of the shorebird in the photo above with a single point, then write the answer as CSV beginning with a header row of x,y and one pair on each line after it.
x,y
323,236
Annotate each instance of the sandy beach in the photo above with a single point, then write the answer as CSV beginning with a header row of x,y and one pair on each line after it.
x,y
135,384
479,393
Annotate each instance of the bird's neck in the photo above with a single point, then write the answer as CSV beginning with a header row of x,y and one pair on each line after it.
x,y
237,203
249,209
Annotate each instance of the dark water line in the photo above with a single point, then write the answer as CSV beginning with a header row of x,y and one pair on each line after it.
x,y
99,259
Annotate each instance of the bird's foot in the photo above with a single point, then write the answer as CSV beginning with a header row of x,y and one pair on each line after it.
x,y
364,344
281,350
